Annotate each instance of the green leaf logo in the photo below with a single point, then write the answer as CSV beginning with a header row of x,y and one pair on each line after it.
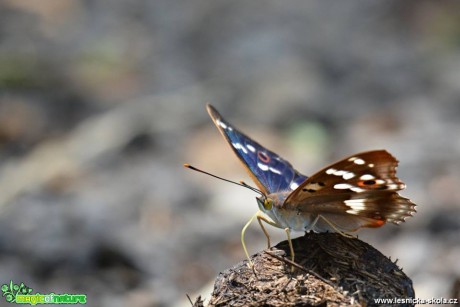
x,y
10,291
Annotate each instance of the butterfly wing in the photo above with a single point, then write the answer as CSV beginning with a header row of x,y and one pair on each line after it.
x,y
270,172
358,191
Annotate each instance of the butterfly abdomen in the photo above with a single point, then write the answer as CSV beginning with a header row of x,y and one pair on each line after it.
x,y
293,220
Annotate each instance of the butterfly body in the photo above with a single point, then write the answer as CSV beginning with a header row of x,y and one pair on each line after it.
x,y
355,192
286,218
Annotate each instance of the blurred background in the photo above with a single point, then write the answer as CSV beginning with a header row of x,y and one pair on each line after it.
x,y
102,102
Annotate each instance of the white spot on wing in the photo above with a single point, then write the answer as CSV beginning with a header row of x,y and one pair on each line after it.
x,y
396,186
371,165
356,204
262,166
239,146
367,177
344,174
351,211
359,161
346,186
331,171
339,173
274,170
342,186
294,185
251,148
222,124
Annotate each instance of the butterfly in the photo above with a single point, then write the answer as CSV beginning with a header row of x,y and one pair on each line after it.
x,y
358,191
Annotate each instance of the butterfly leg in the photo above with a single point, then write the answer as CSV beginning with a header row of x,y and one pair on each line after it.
x,y
260,218
346,235
312,224
291,247
243,231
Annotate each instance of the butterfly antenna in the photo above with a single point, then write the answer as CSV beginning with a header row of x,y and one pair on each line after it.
x,y
251,188
241,183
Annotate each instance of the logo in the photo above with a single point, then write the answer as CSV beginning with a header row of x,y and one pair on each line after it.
x,y
21,294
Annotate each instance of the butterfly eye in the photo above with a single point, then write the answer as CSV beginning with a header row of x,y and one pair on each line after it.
x,y
268,203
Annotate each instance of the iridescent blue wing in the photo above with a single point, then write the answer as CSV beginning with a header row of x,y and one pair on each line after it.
x,y
269,171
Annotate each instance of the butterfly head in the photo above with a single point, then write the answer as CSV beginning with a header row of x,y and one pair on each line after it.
x,y
265,203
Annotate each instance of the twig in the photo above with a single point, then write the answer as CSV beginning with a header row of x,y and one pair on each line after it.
x,y
301,268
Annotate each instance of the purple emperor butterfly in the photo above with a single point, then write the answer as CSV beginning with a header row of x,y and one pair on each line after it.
x,y
355,192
